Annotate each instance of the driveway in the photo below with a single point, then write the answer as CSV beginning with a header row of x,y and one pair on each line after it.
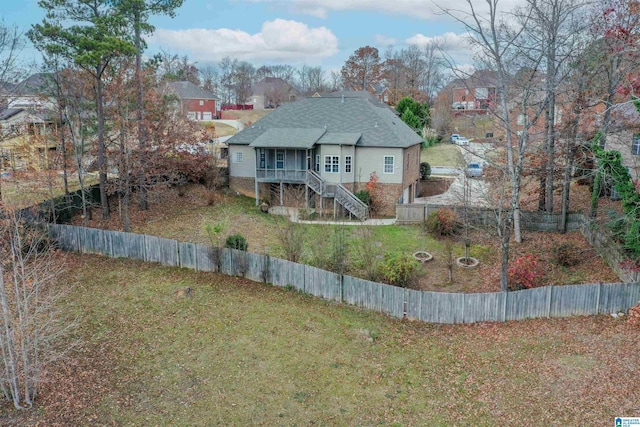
x,y
477,187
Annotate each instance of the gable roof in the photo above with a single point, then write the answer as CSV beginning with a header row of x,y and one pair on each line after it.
x,y
188,90
347,121
272,84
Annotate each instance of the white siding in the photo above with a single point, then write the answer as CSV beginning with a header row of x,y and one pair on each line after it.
x,y
247,168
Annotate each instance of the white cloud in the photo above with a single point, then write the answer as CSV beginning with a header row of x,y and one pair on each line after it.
x,y
448,41
384,41
424,9
278,40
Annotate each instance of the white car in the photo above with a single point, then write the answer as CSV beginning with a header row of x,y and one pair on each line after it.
x,y
473,170
462,141
454,138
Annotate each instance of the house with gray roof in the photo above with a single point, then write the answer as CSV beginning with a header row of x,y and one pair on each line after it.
x,y
271,92
327,148
195,102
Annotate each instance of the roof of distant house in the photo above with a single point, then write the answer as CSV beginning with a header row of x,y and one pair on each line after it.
x,y
272,84
348,120
188,90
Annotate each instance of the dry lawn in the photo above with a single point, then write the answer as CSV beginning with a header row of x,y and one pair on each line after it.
x,y
243,353
185,218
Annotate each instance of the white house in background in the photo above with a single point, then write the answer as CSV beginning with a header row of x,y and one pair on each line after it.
x,y
327,148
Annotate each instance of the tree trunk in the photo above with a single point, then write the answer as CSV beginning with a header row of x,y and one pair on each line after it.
x,y
142,129
102,160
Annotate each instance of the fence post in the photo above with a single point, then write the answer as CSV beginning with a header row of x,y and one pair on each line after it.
x,y
598,299
549,293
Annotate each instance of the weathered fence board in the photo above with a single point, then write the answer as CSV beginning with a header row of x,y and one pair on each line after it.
x,y
205,258
322,283
435,307
286,273
573,300
187,252
528,303
414,304
618,296
164,251
483,307
442,307
362,293
392,300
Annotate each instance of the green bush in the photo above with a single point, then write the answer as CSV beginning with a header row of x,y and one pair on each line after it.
x,y
425,170
443,222
364,196
567,254
399,269
236,241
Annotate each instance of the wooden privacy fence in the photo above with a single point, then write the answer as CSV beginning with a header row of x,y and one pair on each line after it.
x,y
534,221
436,307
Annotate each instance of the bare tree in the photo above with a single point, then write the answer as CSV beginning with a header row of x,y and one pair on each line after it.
x,y
498,42
30,323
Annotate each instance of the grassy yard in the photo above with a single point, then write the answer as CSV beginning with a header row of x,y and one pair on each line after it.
x,y
186,217
443,154
27,189
242,353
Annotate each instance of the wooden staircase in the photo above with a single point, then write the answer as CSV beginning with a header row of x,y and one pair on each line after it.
x,y
339,193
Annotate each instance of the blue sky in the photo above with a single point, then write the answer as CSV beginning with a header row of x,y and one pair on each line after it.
x,y
296,32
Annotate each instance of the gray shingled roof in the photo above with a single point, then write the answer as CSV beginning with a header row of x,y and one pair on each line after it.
x,y
288,138
188,90
340,138
378,125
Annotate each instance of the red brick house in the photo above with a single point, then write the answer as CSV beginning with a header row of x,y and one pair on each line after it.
x,y
196,103
476,93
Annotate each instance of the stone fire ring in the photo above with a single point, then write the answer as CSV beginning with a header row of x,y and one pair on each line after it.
x,y
467,262
422,256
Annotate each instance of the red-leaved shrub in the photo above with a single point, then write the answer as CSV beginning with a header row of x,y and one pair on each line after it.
x,y
526,272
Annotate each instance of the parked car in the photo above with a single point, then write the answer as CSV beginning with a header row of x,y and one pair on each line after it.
x,y
454,138
462,141
473,170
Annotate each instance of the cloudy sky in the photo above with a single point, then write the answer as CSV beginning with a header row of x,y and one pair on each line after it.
x,y
312,32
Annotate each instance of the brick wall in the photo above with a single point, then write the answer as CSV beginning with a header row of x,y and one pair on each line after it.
x,y
243,185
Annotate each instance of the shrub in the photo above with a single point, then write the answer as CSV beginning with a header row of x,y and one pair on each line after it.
x,y
236,241
526,272
567,254
399,269
364,197
443,222
425,170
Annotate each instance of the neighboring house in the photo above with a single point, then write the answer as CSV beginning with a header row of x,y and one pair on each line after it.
x,y
624,136
322,149
27,122
195,102
477,93
271,92
380,91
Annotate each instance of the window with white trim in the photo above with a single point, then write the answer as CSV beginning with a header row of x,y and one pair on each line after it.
x,y
279,159
201,102
263,158
347,164
237,157
635,148
388,164
332,164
